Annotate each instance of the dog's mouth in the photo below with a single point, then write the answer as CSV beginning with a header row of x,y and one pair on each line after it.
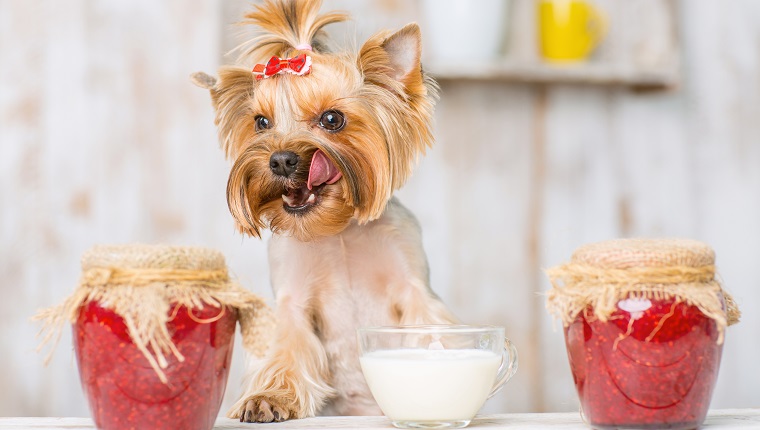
x,y
322,172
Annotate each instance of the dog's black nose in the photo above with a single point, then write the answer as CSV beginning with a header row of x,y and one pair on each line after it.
x,y
283,163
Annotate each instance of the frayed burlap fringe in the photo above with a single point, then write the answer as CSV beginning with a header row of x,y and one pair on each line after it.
x,y
577,286
144,298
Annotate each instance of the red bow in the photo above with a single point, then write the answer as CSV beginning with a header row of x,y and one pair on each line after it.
x,y
298,65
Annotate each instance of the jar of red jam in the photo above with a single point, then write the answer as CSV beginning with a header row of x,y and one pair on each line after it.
x,y
644,327
153,332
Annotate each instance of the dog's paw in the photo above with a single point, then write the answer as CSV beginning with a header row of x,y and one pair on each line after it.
x,y
263,409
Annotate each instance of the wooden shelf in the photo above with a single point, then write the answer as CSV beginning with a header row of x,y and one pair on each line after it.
x,y
641,53
572,73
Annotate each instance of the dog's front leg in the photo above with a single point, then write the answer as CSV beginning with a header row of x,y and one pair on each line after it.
x,y
417,304
292,381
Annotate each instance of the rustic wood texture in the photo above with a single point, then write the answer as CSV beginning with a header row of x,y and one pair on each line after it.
x,y
104,140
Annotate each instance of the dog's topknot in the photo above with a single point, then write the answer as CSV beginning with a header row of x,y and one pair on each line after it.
x,y
285,25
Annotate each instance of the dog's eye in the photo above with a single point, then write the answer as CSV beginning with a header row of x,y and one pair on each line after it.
x,y
262,123
332,120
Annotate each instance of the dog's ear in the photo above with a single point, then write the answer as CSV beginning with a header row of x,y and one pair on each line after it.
x,y
392,60
404,50
203,80
230,96
402,95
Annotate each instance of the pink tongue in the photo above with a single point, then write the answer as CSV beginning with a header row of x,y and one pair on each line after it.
x,y
322,171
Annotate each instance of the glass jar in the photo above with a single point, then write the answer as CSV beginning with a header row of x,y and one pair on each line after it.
x,y
651,366
644,326
124,391
153,331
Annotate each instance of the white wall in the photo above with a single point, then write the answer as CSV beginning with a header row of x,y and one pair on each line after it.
x,y
104,140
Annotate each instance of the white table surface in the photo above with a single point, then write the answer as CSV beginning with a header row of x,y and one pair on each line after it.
x,y
716,420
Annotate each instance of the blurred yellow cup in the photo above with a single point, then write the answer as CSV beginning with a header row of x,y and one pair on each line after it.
x,y
569,29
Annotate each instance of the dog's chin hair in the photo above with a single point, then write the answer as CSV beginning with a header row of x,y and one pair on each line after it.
x,y
254,194
330,217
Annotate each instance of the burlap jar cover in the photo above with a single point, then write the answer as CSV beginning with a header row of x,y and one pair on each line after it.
x,y
599,275
143,283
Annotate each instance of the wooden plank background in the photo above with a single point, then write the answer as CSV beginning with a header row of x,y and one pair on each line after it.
x,y
104,140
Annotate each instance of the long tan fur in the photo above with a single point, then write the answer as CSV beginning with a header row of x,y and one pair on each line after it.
x,y
285,25
350,255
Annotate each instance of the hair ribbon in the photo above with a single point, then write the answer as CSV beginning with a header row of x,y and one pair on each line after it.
x,y
299,65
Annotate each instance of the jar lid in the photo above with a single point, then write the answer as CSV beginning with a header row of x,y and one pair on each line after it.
x,y
146,256
143,283
601,274
636,252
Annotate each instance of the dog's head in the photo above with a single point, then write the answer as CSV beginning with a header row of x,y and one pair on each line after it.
x,y
318,138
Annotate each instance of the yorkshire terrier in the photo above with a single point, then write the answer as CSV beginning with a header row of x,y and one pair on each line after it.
x,y
320,141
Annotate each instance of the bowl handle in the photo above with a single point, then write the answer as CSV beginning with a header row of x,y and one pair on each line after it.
x,y
508,366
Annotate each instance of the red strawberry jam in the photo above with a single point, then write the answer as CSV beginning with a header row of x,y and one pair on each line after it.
x,y
653,364
124,391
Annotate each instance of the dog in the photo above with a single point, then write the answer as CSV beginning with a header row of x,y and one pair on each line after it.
x,y
319,140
